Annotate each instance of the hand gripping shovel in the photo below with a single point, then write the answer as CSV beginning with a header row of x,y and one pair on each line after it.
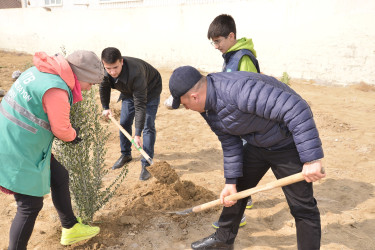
x,y
145,155
245,193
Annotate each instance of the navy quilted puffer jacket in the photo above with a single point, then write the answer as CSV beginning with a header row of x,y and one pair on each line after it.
x,y
263,111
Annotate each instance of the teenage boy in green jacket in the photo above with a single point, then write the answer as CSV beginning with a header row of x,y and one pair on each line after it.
x,y
239,55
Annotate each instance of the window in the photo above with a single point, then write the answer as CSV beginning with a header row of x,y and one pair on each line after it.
x,y
52,2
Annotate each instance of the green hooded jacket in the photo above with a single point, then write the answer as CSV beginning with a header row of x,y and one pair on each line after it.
x,y
245,64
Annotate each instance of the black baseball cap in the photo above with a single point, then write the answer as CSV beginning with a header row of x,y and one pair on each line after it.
x,y
182,80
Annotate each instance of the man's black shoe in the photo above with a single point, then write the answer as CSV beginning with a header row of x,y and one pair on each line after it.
x,y
211,242
121,161
145,175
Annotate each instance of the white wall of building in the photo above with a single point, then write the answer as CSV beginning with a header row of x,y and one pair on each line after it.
x,y
330,42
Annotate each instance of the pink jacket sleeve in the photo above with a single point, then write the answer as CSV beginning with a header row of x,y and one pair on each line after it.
x,y
56,105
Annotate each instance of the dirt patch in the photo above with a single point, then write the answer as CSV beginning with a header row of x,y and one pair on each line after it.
x,y
9,63
365,87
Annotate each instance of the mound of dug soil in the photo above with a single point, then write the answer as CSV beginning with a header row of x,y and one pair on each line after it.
x,y
168,192
163,172
134,207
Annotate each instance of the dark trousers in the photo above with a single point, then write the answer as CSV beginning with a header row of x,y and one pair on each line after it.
x,y
303,206
28,208
149,131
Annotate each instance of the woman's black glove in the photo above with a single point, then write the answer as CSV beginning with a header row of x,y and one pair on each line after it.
x,y
77,139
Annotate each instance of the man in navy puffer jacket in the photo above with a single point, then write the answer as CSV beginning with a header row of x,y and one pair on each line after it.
x,y
280,131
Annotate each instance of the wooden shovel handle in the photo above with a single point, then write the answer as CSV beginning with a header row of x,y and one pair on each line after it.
x,y
145,155
245,193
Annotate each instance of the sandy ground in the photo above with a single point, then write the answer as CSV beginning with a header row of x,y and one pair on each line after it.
x,y
136,217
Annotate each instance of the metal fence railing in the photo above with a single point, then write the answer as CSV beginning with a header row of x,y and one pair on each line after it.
x,y
103,4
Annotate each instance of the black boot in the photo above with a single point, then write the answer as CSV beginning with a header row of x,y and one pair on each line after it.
x,y
121,161
145,175
211,242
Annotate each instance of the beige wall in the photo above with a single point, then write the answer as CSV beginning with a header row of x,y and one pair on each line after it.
x,y
327,41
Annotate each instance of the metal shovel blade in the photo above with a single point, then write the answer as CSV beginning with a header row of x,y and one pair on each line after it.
x,y
185,212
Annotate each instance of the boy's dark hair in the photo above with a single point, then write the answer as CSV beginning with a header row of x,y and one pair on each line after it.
x,y
222,25
111,55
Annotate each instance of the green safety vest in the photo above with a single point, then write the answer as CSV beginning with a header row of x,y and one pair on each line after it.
x,y
26,137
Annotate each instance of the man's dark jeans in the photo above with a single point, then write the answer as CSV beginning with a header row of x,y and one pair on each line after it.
x,y
149,131
303,206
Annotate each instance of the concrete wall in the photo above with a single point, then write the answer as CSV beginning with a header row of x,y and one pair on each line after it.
x,y
331,42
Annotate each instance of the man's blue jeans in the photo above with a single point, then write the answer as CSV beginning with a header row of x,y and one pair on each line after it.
x,y
149,131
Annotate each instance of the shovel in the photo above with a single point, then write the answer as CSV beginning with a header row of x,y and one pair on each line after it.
x,y
245,193
140,149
